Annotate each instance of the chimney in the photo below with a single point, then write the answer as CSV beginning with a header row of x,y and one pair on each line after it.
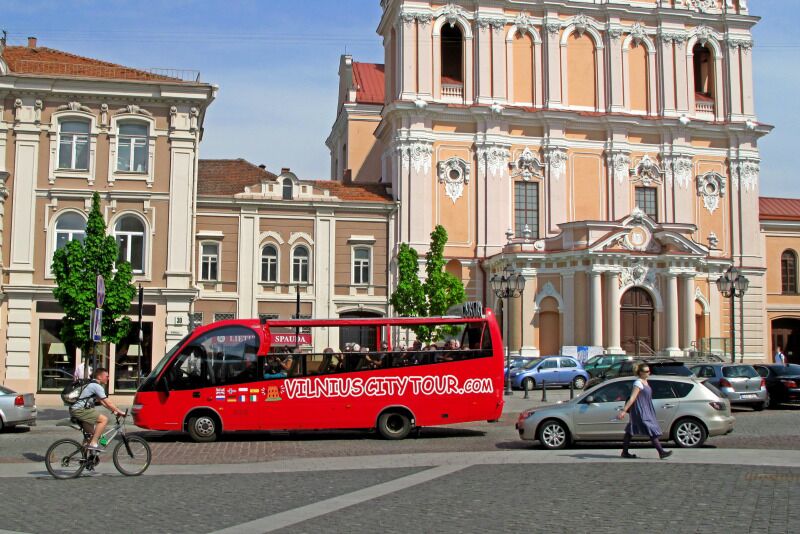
x,y
284,170
32,42
262,167
347,178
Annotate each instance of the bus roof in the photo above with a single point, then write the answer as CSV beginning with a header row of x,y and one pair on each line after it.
x,y
374,321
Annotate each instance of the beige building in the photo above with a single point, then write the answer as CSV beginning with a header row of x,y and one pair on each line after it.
x,y
69,126
605,150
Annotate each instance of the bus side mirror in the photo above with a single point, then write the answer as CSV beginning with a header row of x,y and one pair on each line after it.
x,y
163,386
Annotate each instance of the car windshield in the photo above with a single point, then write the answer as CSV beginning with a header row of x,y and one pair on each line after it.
x,y
792,369
531,364
593,360
6,391
739,371
517,362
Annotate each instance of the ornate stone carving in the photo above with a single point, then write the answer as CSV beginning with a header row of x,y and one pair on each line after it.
x,y
553,27
495,158
744,44
133,109
647,172
705,6
74,106
194,117
637,274
3,189
745,174
173,117
496,108
104,115
524,22
496,23
673,37
581,22
548,290
679,168
620,165
419,155
614,32
713,240
37,110
637,33
407,17
557,161
451,13
637,239
454,174
424,18
527,166
704,33
711,186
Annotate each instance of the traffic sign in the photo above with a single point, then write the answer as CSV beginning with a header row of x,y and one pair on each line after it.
x,y
101,291
97,325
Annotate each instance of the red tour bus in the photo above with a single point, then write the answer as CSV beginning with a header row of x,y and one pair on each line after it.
x,y
276,375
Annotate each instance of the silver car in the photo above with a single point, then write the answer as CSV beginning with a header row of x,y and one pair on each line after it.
x,y
739,383
687,410
16,408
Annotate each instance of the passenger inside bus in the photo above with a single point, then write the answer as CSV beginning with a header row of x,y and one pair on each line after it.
x,y
278,364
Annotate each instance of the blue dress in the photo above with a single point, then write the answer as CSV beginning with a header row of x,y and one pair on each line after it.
x,y
643,420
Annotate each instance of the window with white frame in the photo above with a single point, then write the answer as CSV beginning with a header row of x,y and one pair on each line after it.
x,y
269,264
70,226
288,189
73,145
129,233
361,265
209,262
132,147
300,265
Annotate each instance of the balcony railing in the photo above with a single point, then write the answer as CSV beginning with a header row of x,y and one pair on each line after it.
x,y
453,91
704,106
88,70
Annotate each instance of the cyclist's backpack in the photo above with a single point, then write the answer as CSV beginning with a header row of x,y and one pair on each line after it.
x,y
71,393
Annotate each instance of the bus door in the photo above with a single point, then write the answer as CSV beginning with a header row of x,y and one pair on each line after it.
x,y
219,370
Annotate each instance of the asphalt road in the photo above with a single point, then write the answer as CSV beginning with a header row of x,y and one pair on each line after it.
x,y
468,478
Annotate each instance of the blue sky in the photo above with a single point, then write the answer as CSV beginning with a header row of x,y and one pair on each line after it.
x,y
276,63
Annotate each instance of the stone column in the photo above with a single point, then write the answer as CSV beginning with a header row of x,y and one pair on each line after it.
x,y
483,63
689,333
408,59
552,56
671,312
499,74
247,303
616,70
682,66
595,310
424,59
568,315
613,312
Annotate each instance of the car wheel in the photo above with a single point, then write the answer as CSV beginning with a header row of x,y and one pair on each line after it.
x,y
579,382
553,434
689,433
394,425
528,383
203,428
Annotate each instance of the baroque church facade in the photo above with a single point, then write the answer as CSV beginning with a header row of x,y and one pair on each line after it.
x,y
605,150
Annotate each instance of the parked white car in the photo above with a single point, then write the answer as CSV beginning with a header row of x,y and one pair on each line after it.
x,y
16,408
687,410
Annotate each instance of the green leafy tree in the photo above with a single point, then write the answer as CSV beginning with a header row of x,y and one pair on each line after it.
x,y
76,267
440,291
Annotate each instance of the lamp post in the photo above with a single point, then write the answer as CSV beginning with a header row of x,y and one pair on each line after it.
x,y
507,285
733,284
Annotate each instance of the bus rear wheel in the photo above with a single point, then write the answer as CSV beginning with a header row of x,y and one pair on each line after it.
x,y
394,425
203,428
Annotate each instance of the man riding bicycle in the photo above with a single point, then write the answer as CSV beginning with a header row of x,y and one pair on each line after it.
x,y
84,411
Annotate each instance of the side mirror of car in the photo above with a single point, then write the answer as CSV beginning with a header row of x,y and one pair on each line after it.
x,y
590,399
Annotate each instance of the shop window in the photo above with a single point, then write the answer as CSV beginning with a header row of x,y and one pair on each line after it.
x,y
57,360
133,360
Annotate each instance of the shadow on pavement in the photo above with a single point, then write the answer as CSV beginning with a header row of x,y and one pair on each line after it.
x,y
33,456
15,430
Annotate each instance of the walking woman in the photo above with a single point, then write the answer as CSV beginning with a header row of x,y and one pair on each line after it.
x,y
643,420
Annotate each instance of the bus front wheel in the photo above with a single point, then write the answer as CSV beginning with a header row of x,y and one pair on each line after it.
x,y
394,425
203,428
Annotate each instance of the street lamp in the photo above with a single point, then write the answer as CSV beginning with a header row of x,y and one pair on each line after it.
x,y
508,285
733,284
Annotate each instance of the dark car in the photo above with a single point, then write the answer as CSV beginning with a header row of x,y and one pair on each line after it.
x,y
783,382
601,363
626,368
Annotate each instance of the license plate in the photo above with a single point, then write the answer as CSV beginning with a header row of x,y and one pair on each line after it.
x,y
749,396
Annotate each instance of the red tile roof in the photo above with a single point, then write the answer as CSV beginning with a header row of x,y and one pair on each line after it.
x,y
227,177
355,192
369,80
782,209
50,62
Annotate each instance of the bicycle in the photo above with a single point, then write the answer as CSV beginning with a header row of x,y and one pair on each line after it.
x,y
66,458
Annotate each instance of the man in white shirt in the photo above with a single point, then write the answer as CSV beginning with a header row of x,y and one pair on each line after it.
x,y
780,359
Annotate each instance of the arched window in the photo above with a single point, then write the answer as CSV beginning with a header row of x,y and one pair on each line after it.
x,y
452,53
132,147
129,233
288,187
788,272
703,67
73,145
69,227
300,265
269,264
361,266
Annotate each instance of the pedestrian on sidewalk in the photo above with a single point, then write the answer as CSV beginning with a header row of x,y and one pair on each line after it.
x,y
643,421
780,358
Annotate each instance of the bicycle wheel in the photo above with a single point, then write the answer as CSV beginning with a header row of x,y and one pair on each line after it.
x,y
134,458
65,458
